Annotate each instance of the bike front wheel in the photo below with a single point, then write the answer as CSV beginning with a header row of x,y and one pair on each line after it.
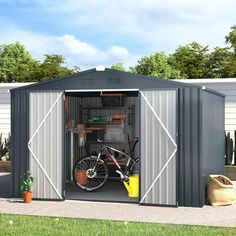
x,y
90,173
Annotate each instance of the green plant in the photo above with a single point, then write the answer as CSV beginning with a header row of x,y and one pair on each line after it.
x,y
228,149
1,146
27,182
5,147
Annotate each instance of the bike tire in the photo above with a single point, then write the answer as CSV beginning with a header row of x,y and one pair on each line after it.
x,y
89,180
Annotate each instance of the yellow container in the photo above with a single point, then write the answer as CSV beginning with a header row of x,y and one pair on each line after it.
x,y
132,186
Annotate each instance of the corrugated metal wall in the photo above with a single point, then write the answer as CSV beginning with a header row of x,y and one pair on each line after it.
x,y
19,131
46,143
212,136
157,147
189,161
227,87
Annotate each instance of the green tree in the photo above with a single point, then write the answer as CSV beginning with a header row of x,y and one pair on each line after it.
x,y
220,62
156,65
118,66
231,38
191,60
51,68
16,64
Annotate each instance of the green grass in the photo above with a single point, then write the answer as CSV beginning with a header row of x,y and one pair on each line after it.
x,y
33,225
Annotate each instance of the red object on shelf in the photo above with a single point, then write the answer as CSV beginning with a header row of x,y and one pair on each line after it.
x,y
118,116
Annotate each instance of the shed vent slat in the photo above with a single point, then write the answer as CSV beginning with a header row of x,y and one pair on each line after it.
x,y
113,81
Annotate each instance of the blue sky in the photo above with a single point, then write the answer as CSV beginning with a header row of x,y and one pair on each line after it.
x,y
102,32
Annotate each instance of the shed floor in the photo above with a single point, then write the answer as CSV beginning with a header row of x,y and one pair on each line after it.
x,y
112,191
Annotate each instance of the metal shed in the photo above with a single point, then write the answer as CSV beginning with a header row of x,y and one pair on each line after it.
x,y
180,126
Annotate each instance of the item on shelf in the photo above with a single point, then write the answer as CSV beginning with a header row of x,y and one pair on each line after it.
x,y
115,133
112,99
118,116
70,124
80,127
99,119
95,133
82,138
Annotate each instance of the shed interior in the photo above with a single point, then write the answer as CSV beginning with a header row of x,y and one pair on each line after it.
x,y
109,116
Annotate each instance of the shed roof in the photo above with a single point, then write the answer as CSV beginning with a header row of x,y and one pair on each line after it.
x,y
107,79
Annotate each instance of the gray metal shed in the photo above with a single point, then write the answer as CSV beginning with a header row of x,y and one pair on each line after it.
x,y
180,126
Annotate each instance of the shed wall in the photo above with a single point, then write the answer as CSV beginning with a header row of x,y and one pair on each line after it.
x,y
212,135
189,158
227,87
19,131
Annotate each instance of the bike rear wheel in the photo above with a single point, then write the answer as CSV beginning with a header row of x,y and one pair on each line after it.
x,y
90,173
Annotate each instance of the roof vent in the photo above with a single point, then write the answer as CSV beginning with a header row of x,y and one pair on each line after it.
x,y
100,68
113,80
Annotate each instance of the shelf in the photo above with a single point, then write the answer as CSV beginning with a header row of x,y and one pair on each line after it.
x,y
107,108
105,142
103,123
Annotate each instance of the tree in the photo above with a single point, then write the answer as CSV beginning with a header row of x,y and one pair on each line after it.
x,y
191,60
118,66
51,68
231,38
156,65
16,64
219,63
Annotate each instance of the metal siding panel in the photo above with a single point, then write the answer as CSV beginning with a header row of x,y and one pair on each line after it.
x,y
189,167
19,139
212,136
195,147
47,143
156,147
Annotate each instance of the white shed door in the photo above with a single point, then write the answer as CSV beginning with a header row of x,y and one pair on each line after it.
x,y
46,143
158,147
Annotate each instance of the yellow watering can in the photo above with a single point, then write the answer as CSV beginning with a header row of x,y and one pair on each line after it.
x,y
133,186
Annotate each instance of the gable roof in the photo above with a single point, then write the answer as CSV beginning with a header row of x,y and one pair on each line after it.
x,y
107,79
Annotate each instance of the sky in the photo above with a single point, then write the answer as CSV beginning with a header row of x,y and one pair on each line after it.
x,y
101,32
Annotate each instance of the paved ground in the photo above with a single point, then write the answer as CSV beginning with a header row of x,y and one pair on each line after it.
x,y
208,215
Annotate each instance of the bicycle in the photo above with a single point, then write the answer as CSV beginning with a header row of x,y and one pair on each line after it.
x,y
94,168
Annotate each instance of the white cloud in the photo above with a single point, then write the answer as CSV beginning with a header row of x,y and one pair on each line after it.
x,y
153,25
75,51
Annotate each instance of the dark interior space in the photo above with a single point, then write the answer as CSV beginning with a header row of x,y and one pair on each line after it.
x,y
108,116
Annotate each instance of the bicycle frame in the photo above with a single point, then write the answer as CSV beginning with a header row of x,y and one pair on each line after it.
x,y
107,150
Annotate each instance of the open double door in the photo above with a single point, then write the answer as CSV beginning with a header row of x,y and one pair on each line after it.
x,y
158,148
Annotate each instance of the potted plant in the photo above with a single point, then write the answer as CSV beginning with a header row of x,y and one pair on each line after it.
x,y
26,185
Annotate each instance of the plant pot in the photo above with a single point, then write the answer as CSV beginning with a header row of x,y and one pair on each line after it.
x,y
81,177
27,196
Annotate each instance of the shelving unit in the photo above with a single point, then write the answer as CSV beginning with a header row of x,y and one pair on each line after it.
x,y
87,111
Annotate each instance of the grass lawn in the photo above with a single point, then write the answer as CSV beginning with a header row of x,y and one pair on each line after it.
x,y
33,225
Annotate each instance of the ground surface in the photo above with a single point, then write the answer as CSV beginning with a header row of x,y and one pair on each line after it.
x,y
208,215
